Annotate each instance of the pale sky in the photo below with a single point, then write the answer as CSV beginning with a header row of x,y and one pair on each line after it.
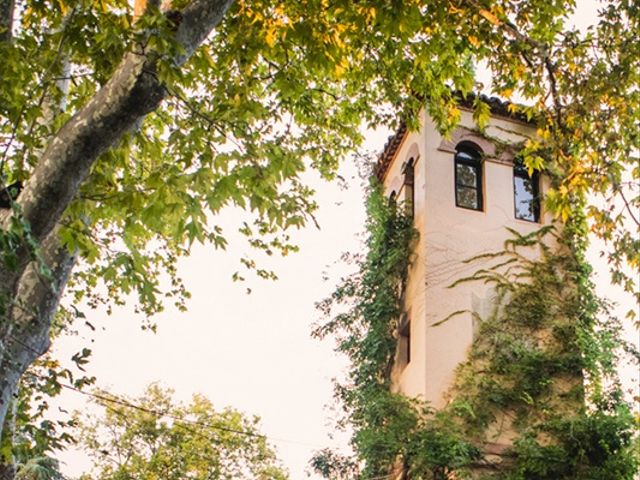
x,y
251,352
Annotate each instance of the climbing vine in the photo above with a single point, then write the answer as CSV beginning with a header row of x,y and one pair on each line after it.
x,y
540,376
388,427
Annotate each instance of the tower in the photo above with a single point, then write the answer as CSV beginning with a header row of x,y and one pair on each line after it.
x,y
511,368
465,192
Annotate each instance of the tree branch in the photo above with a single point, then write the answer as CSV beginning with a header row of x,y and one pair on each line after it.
x,y
132,92
555,97
199,18
630,210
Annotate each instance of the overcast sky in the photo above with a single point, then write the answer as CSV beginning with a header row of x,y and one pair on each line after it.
x,y
252,352
249,351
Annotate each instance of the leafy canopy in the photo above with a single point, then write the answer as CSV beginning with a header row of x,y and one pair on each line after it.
x,y
283,86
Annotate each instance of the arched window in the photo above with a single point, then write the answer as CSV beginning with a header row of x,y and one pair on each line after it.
x,y
392,199
468,165
526,192
408,180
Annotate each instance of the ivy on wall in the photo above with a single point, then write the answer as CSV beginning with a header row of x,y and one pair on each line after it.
x,y
540,377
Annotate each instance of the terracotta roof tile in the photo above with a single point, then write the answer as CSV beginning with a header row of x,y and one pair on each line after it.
x,y
389,151
497,105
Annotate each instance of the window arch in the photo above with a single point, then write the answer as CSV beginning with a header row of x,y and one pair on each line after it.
x,y
468,177
526,192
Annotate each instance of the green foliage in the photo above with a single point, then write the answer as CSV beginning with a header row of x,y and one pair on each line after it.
x,y
541,371
595,445
376,288
330,464
155,437
363,314
547,359
282,87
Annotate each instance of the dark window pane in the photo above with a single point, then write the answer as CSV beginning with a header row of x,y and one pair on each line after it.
x,y
467,197
409,171
467,175
468,172
525,198
519,169
409,200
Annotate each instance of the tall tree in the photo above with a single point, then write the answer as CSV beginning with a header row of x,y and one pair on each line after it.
x,y
156,437
129,132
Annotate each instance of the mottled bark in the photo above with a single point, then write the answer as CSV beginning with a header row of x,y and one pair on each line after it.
x,y
7,462
7,472
133,91
6,19
129,95
26,334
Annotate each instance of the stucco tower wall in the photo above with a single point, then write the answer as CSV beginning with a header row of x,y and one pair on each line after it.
x,y
448,235
410,378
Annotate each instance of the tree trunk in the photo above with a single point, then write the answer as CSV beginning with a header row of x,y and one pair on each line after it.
x,y
26,331
29,299
7,472
25,334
